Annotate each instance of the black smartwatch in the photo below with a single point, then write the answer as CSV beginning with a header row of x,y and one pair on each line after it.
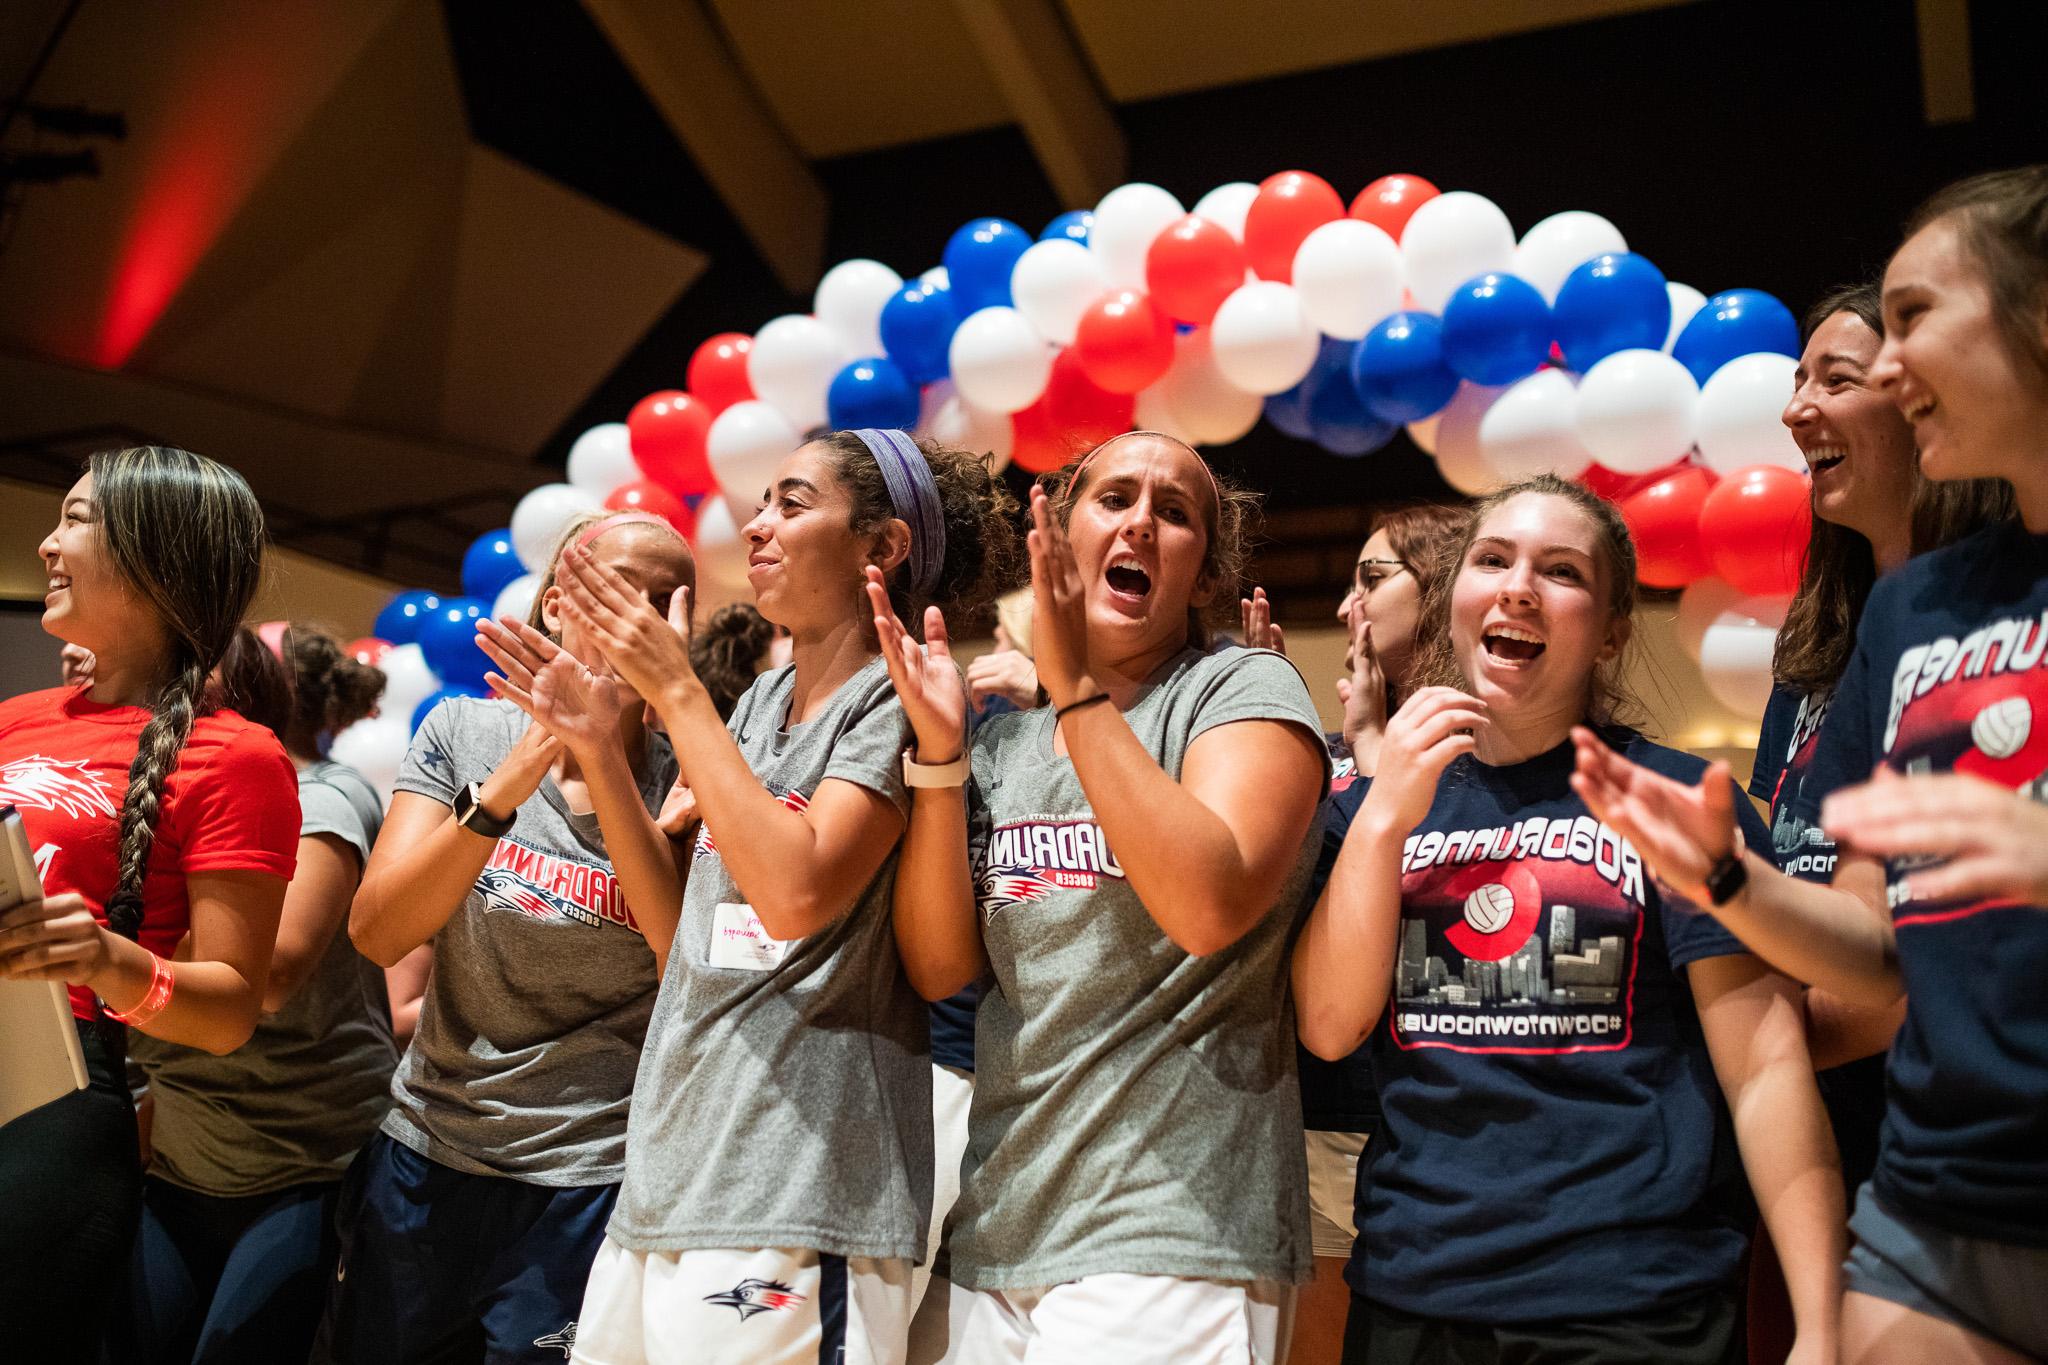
x,y
468,806
1726,878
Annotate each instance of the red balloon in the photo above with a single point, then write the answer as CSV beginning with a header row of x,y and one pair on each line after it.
x,y
645,495
1598,478
1664,519
1041,445
368,650
1192,267
1290,206
1123,342
1080,411
1755,525
667,430
1389,202
718,371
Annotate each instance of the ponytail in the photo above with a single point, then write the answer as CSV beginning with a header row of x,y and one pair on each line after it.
x,y
156,754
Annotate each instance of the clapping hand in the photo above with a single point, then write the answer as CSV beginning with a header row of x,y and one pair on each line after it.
x,y
927,681
576,704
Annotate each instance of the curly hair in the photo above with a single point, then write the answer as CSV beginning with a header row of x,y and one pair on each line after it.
x,y
331,688
726,652
1230,523
984,553
1610,701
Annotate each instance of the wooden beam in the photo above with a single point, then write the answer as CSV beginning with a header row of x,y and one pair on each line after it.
x,y
694,79
1948,91
1034,60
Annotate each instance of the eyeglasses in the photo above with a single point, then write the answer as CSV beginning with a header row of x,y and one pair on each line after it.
x,y
1367,575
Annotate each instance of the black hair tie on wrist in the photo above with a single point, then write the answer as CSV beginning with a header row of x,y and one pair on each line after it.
x,y
1059,713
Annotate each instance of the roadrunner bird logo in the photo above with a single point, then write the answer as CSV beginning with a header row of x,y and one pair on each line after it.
x,y
60,784
751,1296
1004,887
502,890
563,1341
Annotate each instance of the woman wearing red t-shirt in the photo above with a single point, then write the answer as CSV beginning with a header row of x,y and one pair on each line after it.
x,y
150,818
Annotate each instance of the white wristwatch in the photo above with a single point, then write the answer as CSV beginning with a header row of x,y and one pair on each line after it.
x,y
952,774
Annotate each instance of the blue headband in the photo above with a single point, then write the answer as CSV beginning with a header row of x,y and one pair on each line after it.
x,y
914,493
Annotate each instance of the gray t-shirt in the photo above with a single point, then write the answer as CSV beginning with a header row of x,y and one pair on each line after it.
x,y
785,1096
294,1103
1135,1108
542,983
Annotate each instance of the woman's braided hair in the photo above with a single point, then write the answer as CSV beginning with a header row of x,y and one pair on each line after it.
x,y
187,536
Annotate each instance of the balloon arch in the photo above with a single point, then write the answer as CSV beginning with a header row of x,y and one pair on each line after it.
x,y
1562,352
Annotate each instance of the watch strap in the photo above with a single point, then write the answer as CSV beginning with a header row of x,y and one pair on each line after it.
x,y
952,774
1729,874
471,815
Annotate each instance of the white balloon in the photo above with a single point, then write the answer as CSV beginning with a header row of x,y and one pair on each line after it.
x,y
515,599
1741,414
999,360
1533,429
1699,606
1685,301
407,682
1423,433
746,443
1153,411
721,560
1053,283
374,747
1735,661
1637,410
602,459
1349,276
849,300
1457,439
792,364
936,276
956,422
540,517
1126,221
1560,244
1213,410
1262,340
1227,205
1450,239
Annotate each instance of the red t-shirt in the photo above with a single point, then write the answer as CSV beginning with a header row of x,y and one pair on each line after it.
x,y
231,804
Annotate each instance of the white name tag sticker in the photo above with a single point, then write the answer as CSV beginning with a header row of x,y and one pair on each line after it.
x,y
739,941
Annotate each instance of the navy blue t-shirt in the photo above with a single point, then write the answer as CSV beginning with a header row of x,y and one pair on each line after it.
x,y
1950,673
1553,1143
1337,1097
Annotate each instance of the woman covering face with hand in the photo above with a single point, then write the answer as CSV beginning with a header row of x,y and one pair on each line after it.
x,y
522,844
1942,874
1558,1043
1133,1188
778,1166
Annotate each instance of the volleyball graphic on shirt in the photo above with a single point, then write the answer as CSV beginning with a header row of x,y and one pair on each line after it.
x,y
2001,729
1489,909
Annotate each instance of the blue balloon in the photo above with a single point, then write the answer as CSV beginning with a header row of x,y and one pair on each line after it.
x,y
917,329
978,261
425,708
871,393
1399,368
1075,225
400,620
1738,322
1338,421
1290,411
489,565
1616,302
448,639
1496,329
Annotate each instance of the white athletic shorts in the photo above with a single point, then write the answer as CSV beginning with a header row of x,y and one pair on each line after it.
x,y
1107,1320
952,1096
773,1306
1333,1191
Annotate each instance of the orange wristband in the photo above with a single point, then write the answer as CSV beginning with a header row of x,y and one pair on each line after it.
x,y
161,984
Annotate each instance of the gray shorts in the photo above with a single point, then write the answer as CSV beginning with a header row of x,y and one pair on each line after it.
x,y
1994,1289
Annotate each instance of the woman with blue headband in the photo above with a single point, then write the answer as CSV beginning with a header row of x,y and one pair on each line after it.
x,y
779,1156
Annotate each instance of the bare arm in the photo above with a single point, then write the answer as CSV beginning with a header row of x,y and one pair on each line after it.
x,y
405,983
1755,1034
1838,1032
315,905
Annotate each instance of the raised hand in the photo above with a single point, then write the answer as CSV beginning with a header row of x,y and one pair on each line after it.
x,y
927,681
1433,727
642,647
579,705
1255,619
1060,605
1006,673
679,815
1363,693
1681,830
1993,843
